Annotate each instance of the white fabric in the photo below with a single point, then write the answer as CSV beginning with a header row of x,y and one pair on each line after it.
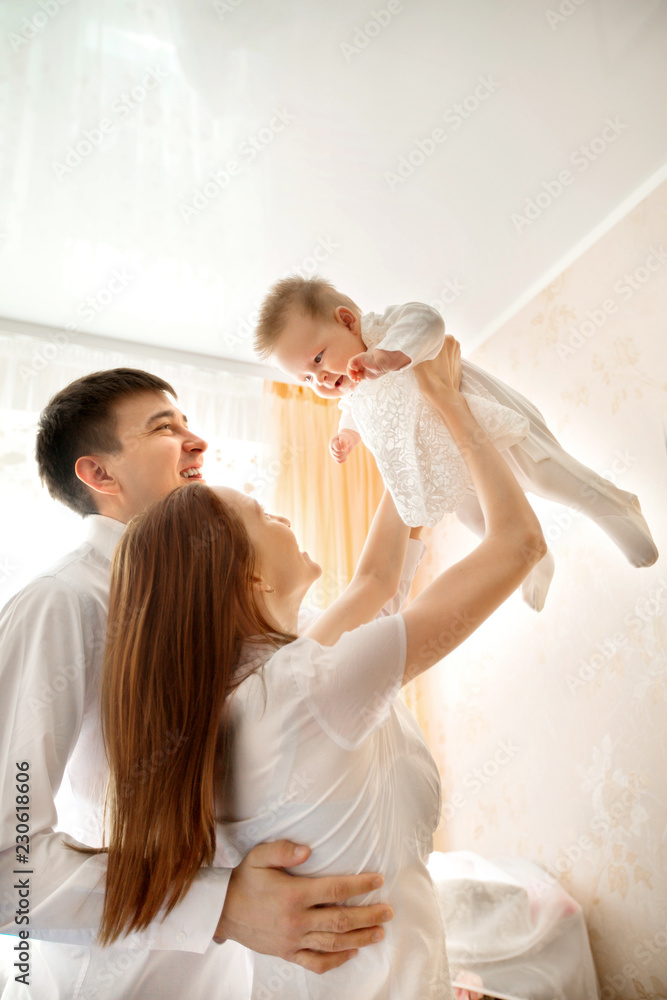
x,y
33,370
416,456
75,972
52,637
512,930
325,755
419,462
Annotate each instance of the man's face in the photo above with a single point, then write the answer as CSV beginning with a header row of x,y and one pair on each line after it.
x,y
158,451
317,351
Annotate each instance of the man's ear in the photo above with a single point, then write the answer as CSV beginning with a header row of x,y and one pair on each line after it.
x,y
92,471
348,319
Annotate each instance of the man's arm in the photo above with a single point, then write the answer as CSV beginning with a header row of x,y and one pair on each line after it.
x,y
47,644
45,649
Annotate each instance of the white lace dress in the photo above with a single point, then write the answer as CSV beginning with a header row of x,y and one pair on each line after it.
x,y
417,458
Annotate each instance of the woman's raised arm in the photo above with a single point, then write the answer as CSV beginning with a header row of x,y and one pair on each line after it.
x,y
378,574
463,596
376,578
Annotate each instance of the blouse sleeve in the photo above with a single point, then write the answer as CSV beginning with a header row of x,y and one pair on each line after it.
x,y
347,421
414,328
349,688
413,557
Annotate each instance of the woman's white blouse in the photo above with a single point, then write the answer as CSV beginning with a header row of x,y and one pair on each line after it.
x,y
325,755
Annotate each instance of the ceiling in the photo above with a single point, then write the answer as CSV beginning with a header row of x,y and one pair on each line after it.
x,y
164,162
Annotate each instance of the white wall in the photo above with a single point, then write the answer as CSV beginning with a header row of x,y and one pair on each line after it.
x,y
550,729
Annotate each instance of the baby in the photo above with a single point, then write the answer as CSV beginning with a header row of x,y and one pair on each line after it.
x,y
320,337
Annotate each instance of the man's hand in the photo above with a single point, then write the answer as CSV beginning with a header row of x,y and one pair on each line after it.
x,y
443,373
342,443
302,920
374,363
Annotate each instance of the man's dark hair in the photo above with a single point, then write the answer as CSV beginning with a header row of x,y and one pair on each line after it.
x,y
80,420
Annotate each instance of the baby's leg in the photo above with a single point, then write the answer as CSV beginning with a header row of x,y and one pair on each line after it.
x,y
567,481
535,587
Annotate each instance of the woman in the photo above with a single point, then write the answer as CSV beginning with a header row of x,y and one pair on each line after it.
x,y
213,708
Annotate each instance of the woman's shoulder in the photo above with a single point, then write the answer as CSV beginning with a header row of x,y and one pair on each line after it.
x,y
346,689
305,655
302,654
263,659
271,682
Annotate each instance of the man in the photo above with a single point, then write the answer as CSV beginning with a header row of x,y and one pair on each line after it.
x,y
108,445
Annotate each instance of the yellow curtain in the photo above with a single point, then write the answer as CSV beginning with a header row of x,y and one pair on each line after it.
x,y
330,506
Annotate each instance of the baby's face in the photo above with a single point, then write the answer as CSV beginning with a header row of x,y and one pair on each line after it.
x,y
316,352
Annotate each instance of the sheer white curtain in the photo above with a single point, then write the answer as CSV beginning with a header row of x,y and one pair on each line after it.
x,y
225,409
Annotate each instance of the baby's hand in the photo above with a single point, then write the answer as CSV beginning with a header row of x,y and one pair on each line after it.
x,y
374,363
342,444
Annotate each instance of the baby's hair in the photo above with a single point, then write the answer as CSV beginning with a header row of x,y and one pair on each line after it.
x,y
314,296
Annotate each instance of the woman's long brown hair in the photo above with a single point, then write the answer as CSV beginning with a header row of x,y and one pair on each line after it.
x,y
180,606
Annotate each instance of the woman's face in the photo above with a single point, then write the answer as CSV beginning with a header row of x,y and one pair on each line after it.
x,y
278,560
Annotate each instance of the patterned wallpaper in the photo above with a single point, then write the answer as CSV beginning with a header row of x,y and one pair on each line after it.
x,y
550,729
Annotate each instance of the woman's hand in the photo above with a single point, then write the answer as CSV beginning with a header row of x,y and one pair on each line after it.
x,y
450,609
443,373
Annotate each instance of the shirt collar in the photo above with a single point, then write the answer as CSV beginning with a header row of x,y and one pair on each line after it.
x,y
103,533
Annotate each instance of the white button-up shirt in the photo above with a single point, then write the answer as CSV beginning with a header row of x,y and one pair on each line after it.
x,y
52,637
